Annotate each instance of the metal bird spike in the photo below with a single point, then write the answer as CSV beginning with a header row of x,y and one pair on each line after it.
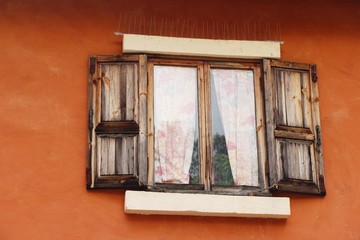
x,y
198,28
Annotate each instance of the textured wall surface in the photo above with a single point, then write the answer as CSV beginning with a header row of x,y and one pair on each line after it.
x,y
44,49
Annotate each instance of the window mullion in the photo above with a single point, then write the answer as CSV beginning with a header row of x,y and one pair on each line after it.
x,y
260,129
150,124
206,126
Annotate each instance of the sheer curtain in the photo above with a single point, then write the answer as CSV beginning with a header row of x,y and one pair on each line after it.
x,y
175,116
234,91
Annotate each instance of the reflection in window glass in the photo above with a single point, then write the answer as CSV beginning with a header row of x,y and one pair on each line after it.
x,y
234,127
175,125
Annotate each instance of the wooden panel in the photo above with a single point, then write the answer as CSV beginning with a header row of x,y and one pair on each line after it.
x,y
315,107
110,91
202,122
306,100
118,92
113,122
288,93
293,98
260,130
270,110
293,127
117,58
295,159
290,65
90,173
150,123
128,127
125,155
206,143
116,155
294,133
97,90
106,150
131,80
120,153
122,97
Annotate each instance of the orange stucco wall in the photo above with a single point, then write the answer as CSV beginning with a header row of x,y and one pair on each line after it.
x,y
44,49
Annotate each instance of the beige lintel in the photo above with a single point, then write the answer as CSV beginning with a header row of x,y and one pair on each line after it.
x,y
133,43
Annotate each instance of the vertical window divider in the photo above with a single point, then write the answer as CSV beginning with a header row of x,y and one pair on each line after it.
x,y
260,129
206,129
151,123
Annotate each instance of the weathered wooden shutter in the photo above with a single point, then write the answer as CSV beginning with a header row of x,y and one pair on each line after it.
x,y
293,127
117,152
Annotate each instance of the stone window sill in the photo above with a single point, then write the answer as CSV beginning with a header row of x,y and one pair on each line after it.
x,y
156,203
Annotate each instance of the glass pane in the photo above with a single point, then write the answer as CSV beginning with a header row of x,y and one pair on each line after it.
x,y
234,127
175,124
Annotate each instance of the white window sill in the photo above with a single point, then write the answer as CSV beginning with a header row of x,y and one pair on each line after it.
x,y
155,203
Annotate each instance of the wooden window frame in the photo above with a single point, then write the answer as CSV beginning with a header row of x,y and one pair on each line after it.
x,y
267,127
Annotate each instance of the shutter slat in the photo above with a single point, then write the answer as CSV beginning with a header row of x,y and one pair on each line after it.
x,y
119,160
125,74
281,97
106,148
130,93
306,100
110,90
293,99
130,154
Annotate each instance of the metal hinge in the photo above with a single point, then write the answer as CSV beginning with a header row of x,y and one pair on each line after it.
x,y
322,185
88,176
92,65
91,114
318,135
314,75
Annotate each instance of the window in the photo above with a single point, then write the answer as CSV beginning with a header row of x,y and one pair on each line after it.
x,y
204,124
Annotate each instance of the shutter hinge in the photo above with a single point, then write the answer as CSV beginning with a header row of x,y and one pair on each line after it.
x,y
88,176
273,188
322,185
318,135
91,114
314,75
92,65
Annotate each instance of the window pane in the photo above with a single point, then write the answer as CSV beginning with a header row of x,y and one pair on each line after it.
x,y
175,125
234,127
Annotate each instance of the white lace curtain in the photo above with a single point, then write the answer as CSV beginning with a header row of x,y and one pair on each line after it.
x,y
175,116
235,96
